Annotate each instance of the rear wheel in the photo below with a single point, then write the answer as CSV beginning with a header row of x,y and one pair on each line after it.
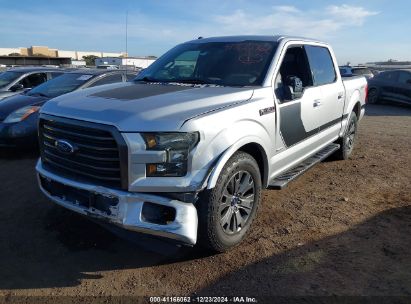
x,y
227,211
347,141
373,96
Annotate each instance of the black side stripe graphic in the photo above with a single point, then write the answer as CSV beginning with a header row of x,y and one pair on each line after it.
x,y
330,124
292,128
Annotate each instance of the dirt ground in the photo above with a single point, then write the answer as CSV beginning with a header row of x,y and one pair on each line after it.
x,y
343,228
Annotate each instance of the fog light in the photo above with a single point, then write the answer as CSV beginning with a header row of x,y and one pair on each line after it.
x,y
158,214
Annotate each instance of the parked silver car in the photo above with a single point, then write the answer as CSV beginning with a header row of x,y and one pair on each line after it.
x,y
184,151
17,80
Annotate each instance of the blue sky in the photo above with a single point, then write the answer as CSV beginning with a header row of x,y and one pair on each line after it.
x,y
359,31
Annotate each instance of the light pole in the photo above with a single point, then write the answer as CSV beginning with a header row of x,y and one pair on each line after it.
x,y
126,35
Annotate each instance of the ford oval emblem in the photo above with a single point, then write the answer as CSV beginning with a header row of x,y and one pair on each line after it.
x,y
64,146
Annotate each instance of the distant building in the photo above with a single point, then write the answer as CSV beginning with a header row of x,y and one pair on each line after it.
x,y
28,55
141,62
389,65
47,52
34,60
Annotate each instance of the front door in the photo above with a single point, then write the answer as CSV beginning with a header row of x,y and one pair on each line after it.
x,y
298,111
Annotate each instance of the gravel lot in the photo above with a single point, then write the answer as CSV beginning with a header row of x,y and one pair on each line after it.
x,y
343,228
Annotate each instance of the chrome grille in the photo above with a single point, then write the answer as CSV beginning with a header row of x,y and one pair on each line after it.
x,y
100,154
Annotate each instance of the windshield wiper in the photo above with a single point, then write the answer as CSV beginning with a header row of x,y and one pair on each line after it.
x,y
38,94
191,81
147,79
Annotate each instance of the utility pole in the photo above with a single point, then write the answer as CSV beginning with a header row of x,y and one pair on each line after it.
x,y
126,35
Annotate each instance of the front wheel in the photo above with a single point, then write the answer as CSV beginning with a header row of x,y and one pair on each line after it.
x,y
226,211
347,141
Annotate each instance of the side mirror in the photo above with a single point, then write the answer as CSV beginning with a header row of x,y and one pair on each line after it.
x,y
16,87
295,85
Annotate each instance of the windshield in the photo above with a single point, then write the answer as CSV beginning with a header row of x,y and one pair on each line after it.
x,y
361,71
222,63
8,77
60,85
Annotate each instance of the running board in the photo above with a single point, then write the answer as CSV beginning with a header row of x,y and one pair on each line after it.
x,y
281,181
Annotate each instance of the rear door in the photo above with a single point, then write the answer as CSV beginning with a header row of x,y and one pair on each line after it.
x,y
404,86
388,82
331,105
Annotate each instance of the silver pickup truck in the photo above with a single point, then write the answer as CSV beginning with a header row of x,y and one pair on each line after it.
x,y
183,152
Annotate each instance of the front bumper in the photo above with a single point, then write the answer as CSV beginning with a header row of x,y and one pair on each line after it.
x,y
127,212
21,134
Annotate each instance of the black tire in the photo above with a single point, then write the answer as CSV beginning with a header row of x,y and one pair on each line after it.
x,y
348,140
225,213
373,96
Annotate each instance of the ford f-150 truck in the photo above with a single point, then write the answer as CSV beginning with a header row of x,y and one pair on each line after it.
x,y
183,152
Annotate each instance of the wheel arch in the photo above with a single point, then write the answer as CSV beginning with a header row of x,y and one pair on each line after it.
x,y
357,109
251,146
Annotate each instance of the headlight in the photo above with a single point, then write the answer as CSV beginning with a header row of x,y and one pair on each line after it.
x,y
177,147
21,114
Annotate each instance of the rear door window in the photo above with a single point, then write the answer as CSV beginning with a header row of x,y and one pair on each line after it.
x,y
321,64
404,77
389,76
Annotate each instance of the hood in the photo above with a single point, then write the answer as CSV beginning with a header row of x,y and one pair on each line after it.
x,y
135,107
13,103
7,93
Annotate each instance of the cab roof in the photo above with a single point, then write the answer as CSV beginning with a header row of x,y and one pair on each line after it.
x,y
240,38
99,71
33,69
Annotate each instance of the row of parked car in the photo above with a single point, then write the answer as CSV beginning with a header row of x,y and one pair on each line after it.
x,y
24,90
387,86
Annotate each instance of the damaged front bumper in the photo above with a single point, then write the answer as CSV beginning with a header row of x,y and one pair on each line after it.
x,y
131,211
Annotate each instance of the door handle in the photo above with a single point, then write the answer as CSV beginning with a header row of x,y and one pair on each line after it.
x,y
340,95
317,103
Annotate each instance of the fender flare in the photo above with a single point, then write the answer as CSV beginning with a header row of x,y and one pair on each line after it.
x,y
354,99
226,155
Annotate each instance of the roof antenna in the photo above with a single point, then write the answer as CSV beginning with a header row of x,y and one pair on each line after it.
x,y
200,37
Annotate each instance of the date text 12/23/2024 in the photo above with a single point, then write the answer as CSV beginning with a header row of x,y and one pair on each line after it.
x,y
200,299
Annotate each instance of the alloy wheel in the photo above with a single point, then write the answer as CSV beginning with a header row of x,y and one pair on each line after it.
x,y
237,202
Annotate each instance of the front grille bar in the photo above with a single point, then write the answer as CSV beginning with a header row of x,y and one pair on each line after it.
x,y
101,155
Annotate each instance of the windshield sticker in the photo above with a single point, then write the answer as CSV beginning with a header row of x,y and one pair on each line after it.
x,y
249,52
84,77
